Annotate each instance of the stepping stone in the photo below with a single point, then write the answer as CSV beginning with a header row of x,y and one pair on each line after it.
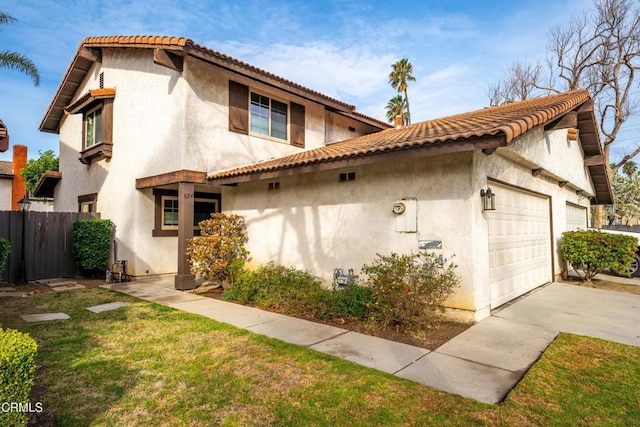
x,y
12,294
44,317
50,281
68,287
7,289
57,283
107,307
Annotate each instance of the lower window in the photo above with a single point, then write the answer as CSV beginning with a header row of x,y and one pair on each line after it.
x,y
87,203
167,207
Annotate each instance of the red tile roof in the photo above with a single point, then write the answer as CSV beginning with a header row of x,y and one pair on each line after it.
x,y
506,122
180,46
6,168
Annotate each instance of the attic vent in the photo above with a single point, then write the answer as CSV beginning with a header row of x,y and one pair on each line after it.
x,y
347,176
352,129
274,185
101,80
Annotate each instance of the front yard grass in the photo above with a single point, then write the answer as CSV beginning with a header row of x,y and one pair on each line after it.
x,y
146,364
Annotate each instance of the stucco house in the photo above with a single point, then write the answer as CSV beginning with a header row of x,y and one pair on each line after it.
x,y
185,130
142,120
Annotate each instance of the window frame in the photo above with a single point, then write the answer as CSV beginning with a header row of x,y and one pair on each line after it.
x,y
271,111
97,136
160,195
90,200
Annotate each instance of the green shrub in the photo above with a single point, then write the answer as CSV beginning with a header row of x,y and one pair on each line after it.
x,y
219,253
591,251
352,302
92,242
297,292
17,371
408,290
5,248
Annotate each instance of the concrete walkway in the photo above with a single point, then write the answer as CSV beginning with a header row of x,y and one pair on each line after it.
x,y
484,363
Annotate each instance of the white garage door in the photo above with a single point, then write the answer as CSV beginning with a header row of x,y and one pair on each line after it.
x,y
576,217
519,243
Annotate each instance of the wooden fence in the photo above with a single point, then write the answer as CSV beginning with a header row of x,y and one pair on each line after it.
x,y
48,243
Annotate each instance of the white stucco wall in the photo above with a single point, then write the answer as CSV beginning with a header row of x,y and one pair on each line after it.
x,y
5,194
163,121
316,223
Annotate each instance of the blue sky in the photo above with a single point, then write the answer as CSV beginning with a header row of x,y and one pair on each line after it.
x,y
343,48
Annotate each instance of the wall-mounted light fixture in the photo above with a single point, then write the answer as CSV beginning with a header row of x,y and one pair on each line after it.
x,y
488,199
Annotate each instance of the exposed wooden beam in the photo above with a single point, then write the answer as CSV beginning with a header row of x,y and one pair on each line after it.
x,y
194,177
90,54
168,59
594,160
569,120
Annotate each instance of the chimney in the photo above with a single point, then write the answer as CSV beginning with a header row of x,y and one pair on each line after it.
x,y
399,121
18,189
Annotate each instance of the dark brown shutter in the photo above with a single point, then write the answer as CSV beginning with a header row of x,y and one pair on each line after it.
x,y
297,124
238,107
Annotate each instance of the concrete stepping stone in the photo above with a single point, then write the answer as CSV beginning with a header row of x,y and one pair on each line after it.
x,y
44,317
7,289
107,307
68,287
12,294
60,283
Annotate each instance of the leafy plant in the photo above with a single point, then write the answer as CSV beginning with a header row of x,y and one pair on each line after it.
x,y
5,248
298,292
591,251
17,371
219,253
92,242
34,168
408,290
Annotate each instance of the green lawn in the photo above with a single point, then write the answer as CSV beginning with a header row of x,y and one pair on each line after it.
x,y
149,365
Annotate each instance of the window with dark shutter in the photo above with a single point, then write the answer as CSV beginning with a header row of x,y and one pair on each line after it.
x,y
297,124
238,107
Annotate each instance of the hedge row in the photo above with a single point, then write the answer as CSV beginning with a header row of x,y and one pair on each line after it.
x,y
17,371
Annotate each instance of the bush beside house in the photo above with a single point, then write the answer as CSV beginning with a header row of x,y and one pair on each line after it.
x,y
591,251
219,253
92,243
401,291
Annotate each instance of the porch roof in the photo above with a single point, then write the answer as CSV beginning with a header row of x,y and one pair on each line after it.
x,y
486,129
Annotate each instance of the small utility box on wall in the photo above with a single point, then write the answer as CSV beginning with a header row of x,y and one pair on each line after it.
x,y
406,212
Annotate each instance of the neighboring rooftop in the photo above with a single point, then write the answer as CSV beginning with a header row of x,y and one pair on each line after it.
x,y
486,129
176,48
6,168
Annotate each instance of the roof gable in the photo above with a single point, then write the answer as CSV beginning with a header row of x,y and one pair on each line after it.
x,y
90,51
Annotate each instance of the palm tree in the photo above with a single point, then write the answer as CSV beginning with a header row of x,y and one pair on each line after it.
x,y
396,107
398,78
15,60
630,168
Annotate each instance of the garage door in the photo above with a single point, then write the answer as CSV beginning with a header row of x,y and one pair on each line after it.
x,y
519,243
576,217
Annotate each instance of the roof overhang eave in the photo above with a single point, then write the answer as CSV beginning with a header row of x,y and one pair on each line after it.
x,y
486,144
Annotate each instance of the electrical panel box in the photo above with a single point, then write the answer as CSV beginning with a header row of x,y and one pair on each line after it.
x,y
406,212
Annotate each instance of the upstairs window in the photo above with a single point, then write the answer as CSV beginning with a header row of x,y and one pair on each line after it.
x,y
96,107
268,116
93,127
256,114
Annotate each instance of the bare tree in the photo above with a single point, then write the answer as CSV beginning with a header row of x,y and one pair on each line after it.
x,y
598,51
519,84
